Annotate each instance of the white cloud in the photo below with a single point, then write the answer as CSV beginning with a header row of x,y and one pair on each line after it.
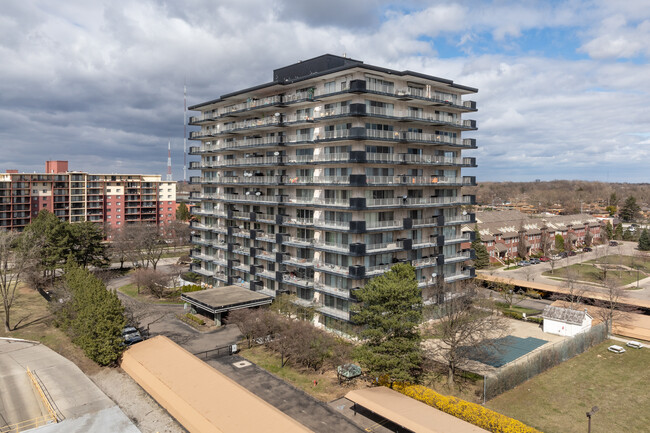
x,y
100,83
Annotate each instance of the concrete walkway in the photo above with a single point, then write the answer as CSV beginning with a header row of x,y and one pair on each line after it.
x,y
71,393
299,405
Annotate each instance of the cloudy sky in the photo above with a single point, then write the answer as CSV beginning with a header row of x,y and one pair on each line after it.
x,y
564,87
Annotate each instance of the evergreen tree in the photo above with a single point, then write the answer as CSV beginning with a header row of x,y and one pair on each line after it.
x,y
618,232
390,314
559,242
609,231
629,210
644,241
86,244
588,238
54,236
93,317
482,256
182,212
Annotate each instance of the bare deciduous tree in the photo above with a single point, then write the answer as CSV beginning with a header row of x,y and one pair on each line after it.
x,y
468,325
155,282
575,292
18,253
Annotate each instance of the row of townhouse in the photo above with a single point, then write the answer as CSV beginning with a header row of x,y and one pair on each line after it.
x,y
501,232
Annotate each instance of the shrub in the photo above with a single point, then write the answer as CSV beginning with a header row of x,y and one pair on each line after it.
x,y
470,412
192,288
195,319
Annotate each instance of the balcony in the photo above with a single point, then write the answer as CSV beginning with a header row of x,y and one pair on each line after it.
x,y
299,242
379,269
345,225
330,290
384,247
250,198
460,276
459,257
297,281
332,268
300,262
332,246
425,262
419,201
333,312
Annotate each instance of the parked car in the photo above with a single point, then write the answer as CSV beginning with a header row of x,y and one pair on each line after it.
x,y
131,335
573,253
523,263
616,349
544,259
586,250
634,344
535,261
613,243
563,255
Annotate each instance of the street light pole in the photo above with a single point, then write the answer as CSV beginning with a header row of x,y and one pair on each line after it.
x,y
589,414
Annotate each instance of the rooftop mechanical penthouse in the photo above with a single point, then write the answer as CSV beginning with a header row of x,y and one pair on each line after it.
x,y
326,176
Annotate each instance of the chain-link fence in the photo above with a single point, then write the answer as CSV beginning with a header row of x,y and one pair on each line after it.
x,y
534,363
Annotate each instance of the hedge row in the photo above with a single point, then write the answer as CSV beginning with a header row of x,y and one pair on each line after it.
x,y
195,319
470,412
191,288
519,316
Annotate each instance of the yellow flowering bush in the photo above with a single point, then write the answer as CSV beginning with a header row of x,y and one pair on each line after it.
x,y
470,412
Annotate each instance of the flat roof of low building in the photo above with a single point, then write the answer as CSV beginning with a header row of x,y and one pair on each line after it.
x,y
408,412
226,298
201,398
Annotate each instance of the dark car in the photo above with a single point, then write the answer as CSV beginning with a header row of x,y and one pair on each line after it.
x,y
586,250
131,335
573,253
535,261
613,243
563,255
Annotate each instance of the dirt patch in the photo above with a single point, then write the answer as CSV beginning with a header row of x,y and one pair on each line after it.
x,y
143,410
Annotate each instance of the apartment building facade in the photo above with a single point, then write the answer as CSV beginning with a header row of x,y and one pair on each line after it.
x,y
108,199
328,175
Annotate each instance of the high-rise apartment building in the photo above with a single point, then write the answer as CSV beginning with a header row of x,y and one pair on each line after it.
x,y
108,199
327,176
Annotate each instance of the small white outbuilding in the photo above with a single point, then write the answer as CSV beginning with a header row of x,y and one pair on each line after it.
x,y
565,322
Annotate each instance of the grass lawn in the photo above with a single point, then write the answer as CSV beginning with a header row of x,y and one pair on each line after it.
x,y
35,317
641,262
131,290
557,400
516,309
587,272
327,389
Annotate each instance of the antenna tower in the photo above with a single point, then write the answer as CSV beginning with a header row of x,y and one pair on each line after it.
x,y
184,133
169,161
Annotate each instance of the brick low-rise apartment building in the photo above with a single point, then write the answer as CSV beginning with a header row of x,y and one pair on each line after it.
x,y
501,231
326,176
108,199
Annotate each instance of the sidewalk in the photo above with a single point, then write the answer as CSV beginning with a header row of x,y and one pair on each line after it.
x,y
299,405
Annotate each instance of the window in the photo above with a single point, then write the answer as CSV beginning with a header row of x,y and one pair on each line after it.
x,y
119,217
330,87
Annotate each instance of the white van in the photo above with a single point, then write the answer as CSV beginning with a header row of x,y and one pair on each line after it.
x,y
616,349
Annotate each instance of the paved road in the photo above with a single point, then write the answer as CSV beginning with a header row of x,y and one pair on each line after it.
x,y
160,319
72,394
534,272
299,405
